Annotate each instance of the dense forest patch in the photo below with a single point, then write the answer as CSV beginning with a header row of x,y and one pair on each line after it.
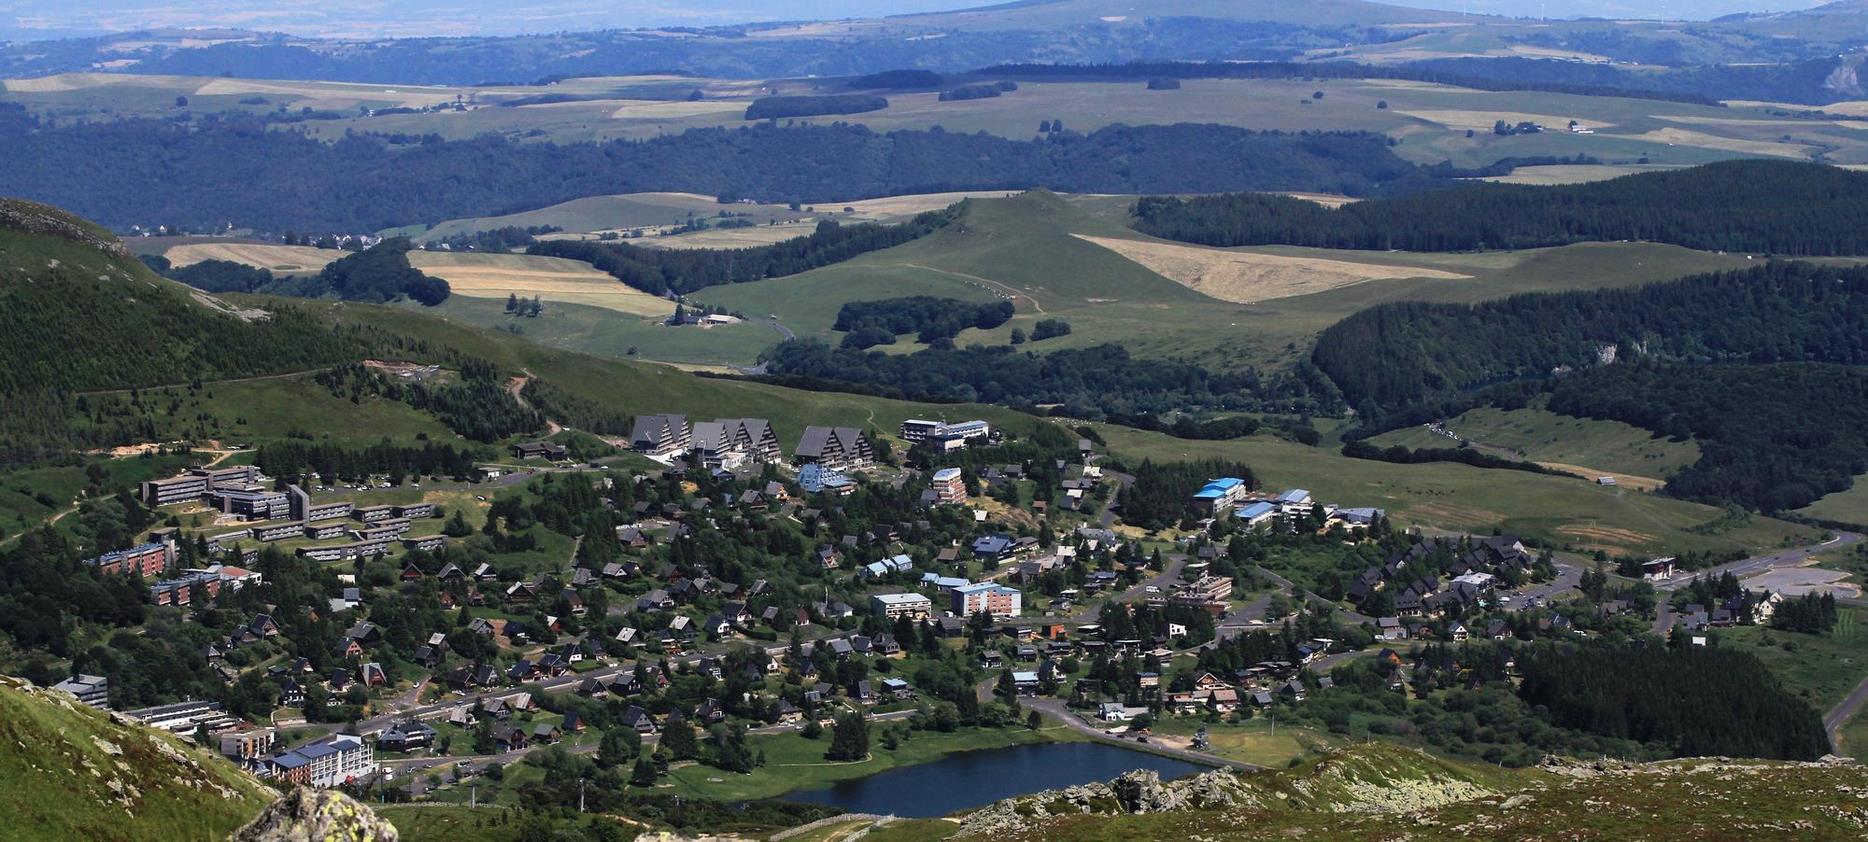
x,y
1413,362
204,175
1778,207
783,107
1773,437
931,319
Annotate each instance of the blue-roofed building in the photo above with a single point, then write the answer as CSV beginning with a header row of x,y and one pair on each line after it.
x,y
1220,494
816,478
327,763
896,564
1294,500
992,546
1254,514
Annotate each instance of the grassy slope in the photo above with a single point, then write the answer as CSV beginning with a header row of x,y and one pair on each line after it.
x,y
1023,246
1820,668
60,760
1543,436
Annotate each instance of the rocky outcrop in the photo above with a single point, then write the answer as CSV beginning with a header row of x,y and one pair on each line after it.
x,y
33,218
1141,791
311,815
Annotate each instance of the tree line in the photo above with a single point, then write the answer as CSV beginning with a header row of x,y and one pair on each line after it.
x,y
1088,383
930,318
337,462
206,174
1780,207
682,271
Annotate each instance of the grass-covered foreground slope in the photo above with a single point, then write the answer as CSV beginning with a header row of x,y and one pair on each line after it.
x,y
1383,792
71,772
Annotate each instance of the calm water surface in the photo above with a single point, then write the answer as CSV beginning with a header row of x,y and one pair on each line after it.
x,y
977,778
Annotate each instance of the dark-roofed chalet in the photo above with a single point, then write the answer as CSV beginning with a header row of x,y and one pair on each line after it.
x,y
660,435
540,450
838,448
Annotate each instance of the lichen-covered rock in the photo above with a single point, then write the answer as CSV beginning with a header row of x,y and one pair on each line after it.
x,y
310,815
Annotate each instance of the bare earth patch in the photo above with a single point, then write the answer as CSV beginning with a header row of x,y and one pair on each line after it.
x,y
1244,277
296,259
1638,483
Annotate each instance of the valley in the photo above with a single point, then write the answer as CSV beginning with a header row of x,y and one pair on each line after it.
x,y
1054,419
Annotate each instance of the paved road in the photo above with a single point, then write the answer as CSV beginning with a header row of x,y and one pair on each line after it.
x,y
1761,563
1056,709
1107,517
1839,715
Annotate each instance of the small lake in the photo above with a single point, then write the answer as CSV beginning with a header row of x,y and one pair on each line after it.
x,y
972,779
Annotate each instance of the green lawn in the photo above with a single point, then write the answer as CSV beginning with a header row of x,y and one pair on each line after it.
x,y
1539,435
793,762
1820,668
1251,741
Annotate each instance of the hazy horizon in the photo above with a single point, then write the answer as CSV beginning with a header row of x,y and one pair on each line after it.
x,y
27,19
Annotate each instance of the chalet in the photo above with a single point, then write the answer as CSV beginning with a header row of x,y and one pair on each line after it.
x,y
837,448
660,435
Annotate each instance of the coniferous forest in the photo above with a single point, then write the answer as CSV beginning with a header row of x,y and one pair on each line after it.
x,y
1778,207
1700,701
1435,355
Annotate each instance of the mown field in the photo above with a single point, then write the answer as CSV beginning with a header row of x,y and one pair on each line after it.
x,y
553,279
1583,445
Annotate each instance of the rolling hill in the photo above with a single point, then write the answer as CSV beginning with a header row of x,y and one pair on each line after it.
x,y
69,279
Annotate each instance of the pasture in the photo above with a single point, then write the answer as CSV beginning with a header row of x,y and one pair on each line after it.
x,y
1584,445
